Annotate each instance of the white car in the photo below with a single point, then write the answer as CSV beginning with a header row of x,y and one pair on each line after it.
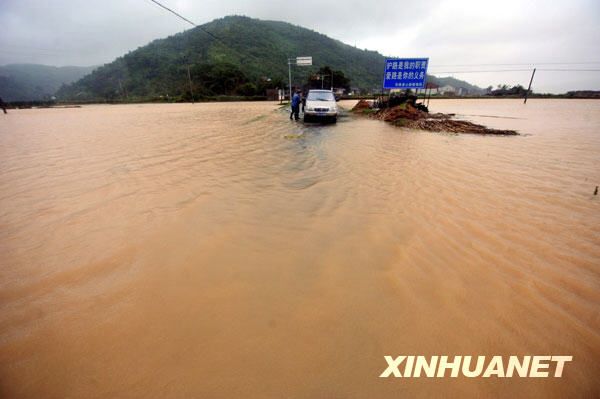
x,y
320,105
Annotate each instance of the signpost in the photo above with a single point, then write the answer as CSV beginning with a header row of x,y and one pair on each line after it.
x,y
405,73
300,61
304,61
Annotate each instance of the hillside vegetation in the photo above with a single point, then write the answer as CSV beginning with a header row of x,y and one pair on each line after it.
x,y
240,56
32,82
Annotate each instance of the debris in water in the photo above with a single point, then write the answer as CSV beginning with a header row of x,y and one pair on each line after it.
x,y
407,115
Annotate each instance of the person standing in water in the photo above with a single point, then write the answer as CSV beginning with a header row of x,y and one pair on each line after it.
x,y
295,106
2,105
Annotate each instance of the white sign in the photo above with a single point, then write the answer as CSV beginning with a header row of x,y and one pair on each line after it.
x,y
304,61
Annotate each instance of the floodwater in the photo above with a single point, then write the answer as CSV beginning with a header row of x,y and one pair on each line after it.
x,y
223,251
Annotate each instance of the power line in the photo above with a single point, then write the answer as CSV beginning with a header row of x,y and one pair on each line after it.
x,y
521,70
186,20
441,65
200,27
174,12
521,64
499,70
570,70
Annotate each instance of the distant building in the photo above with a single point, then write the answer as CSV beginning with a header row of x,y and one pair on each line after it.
x,y
432,88
451,90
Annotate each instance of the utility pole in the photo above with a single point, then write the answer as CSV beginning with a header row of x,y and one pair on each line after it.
x,y
290,76
190,80
299,61
529,88
429,96
123,91
322,77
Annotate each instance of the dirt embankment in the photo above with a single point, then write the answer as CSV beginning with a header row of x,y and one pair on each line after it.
x,y
406,115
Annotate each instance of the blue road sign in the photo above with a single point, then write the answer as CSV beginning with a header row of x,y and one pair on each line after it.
x,y
405,73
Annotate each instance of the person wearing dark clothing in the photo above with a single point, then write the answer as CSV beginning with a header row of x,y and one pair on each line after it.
x,y
2,105
295,106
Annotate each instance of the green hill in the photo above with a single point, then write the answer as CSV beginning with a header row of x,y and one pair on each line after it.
x,y
32,82
239,55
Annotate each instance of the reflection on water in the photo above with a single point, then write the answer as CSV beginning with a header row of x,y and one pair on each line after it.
x,y
220,250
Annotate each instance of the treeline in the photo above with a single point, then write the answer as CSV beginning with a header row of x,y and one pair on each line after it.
x,y
206,81
248,57
224,79
505,90
325,78
241,57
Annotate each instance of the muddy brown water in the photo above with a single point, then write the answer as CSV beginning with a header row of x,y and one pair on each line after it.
x,y
222,251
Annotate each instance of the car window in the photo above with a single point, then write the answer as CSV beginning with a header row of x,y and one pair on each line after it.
x,y
320,96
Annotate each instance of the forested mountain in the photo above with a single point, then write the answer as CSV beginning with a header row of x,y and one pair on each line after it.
x,y
31,82
231,55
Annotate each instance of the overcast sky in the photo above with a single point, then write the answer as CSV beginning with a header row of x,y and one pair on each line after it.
x,y
450,33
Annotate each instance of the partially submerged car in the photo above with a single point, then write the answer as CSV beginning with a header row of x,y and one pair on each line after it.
x,y
320,106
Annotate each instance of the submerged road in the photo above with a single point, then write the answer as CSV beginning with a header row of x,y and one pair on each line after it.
x,y
221,250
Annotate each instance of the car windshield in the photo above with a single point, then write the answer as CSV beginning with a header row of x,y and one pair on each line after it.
x,y
320,96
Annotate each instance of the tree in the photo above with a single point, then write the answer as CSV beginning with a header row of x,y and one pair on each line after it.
x,y
217,78
505,90
322,79
247,89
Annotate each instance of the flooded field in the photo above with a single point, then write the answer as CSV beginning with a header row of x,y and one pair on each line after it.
x,y
223,251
